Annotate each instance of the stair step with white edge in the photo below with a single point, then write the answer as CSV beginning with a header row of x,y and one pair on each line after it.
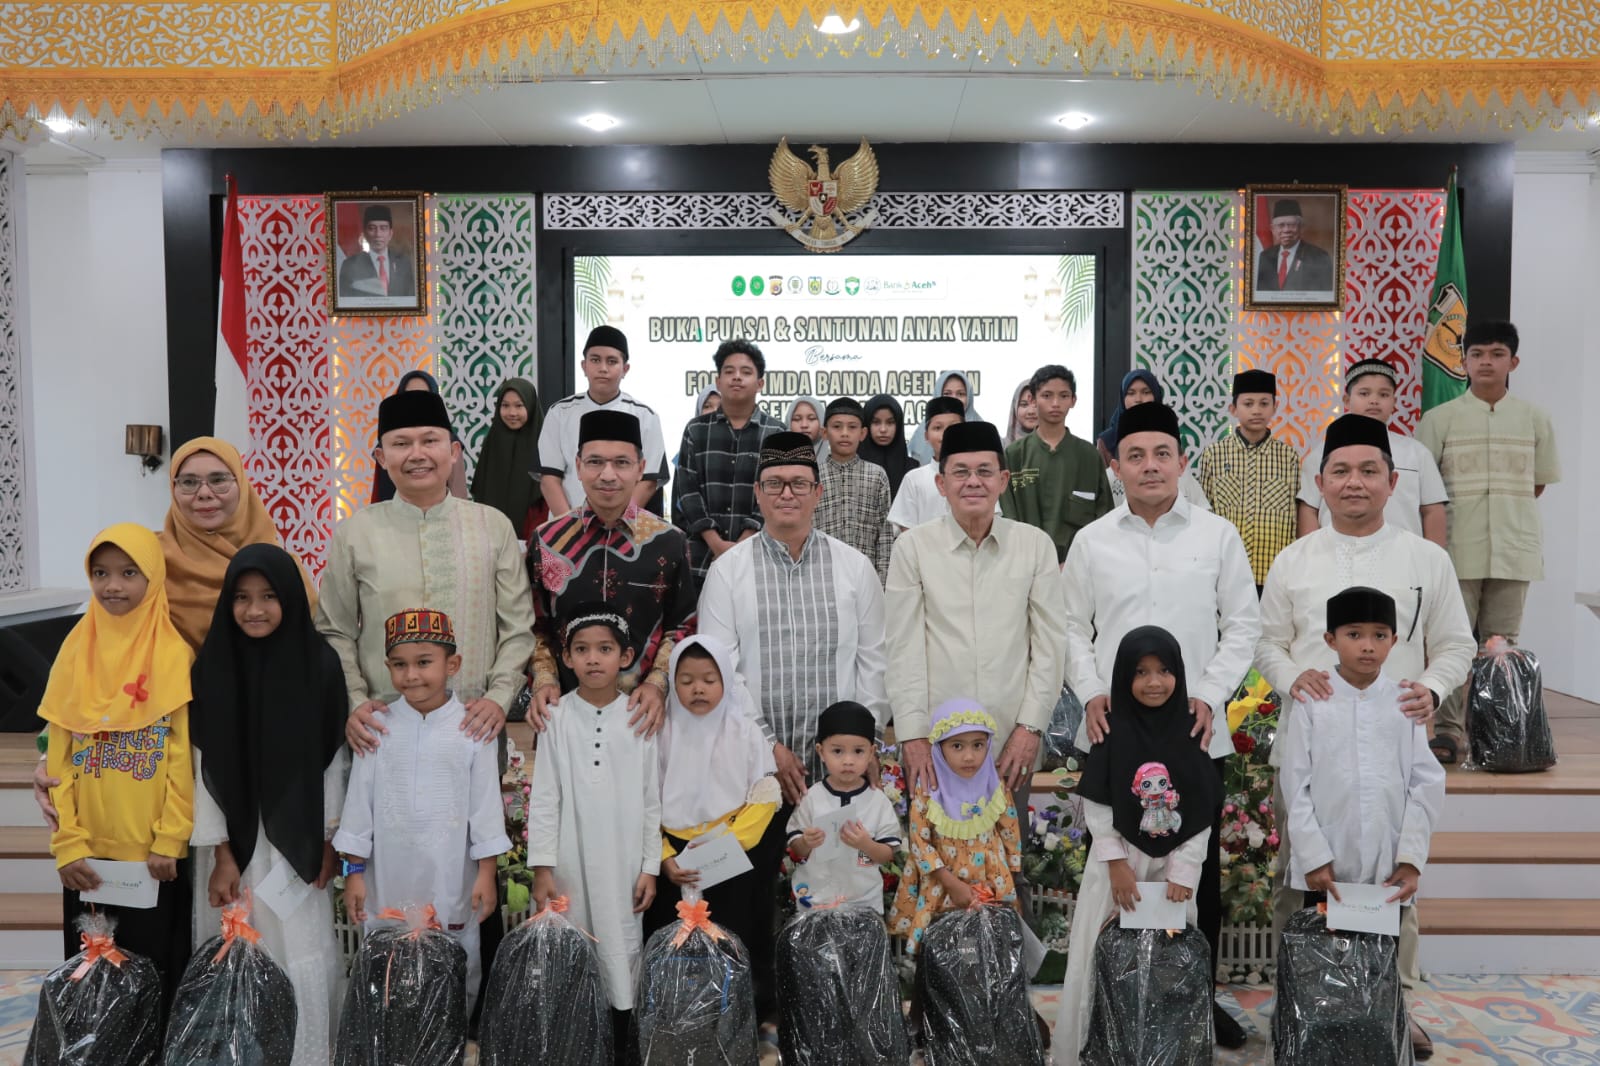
x,y
1542,936
1567,796
1530,865
18,757
30,930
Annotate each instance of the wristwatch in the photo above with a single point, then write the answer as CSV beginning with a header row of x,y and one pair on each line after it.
x,y
353,867
1031,729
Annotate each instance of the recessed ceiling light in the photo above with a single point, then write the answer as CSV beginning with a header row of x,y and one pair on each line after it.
x,y
835,25
599,122
61,124
1075,120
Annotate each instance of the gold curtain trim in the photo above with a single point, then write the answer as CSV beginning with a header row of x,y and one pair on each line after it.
x,y
529,40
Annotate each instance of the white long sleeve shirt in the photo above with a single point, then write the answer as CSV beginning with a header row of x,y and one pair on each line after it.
x,y
1363,789
1188,574
1182,864
1433,639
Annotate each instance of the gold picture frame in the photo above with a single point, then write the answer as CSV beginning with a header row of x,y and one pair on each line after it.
x,y
381,271
1307,275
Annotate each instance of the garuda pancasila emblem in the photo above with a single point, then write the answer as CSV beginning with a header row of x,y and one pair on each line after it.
x,y
830,202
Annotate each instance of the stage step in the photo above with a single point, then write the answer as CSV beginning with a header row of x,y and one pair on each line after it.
x,y
1510,935
30,929
1533,865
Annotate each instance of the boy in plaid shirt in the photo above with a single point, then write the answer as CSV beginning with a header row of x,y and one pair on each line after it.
x,y
1251,477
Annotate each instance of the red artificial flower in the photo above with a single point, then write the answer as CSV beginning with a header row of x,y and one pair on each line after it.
x,y
1243,743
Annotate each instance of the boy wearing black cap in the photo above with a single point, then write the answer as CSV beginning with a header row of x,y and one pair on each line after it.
x,y
1377,833
855,493
605,364
866,839
1251,477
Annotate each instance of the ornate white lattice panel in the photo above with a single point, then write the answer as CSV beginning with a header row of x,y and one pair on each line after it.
x,y
1020,210
13,506
483,306
1183,282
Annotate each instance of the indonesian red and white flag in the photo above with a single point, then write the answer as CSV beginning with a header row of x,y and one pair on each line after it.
x,y
231,414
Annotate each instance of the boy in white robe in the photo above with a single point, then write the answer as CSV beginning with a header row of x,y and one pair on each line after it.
x,y
594,812
1362,788
423,821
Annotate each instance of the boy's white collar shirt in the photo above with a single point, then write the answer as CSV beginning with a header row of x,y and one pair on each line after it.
x,y
855,877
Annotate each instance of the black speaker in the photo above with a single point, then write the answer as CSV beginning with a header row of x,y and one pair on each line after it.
x,y
26,652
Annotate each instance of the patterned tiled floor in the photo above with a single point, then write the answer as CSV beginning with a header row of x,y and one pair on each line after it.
x,y
1475,1021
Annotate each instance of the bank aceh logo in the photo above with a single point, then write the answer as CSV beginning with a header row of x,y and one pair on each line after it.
x,y
738,284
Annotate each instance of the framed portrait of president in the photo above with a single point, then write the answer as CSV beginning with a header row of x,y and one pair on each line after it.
x,y
376,251
1295,243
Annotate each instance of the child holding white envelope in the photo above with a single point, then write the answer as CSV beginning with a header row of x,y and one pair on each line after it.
x,y
1149,796
1363,789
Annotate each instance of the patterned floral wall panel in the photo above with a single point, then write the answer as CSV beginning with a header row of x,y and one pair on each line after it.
x,y
484,305
1303,349
286,325
1183,283
1391,252
13,514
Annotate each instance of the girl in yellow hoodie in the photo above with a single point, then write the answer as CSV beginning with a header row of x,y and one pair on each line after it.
x,y
117,706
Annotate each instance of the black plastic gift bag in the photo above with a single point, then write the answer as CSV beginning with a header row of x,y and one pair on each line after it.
x,y
1508,731
546,997
973,990
693,1001
235,1006
838,989
407,1001
1339,998
1061,735
1152,999
102,1007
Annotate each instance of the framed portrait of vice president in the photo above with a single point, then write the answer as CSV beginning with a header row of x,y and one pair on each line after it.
x,y
1294,239
376,252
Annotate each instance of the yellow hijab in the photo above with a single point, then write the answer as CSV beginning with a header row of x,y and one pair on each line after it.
x,y
121,673
197,559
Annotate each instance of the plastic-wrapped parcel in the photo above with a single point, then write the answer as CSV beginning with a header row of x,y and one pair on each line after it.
x,y
1508,731
974,991
1152,999
102,1007
1339,998
1059,737
839,990
235,1006
407,1001
546,997
693,1001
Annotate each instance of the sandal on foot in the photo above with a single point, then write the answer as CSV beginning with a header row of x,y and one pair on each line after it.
x,y
1444,748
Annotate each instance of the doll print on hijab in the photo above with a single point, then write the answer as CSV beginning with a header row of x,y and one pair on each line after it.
x,y
1153,785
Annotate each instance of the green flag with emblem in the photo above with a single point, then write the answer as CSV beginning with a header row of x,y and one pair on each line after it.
x,y
1444,373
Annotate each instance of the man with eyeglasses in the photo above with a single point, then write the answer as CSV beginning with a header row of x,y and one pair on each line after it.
x,y
803,613
611,550
605,364
975,610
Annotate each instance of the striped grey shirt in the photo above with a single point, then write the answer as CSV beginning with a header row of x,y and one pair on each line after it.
x,y
799,632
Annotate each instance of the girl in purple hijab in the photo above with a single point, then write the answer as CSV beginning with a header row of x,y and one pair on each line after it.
x,y
964,837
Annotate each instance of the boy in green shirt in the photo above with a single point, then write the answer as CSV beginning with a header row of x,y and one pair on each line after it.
x,y
1496,453
1252,477
1057,481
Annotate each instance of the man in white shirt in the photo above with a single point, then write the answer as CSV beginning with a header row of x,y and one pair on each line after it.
x,y
1159,560
605,364
1418,502
975,610
1433,646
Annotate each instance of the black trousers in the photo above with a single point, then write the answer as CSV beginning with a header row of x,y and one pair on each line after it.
x,y
1208,894
161,933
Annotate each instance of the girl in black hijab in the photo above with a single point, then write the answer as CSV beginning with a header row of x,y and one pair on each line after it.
x,y
1149,796
507,474
892,456
267,726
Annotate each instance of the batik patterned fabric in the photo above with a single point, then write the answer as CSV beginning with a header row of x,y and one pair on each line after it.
x,y
418,627
640,564
1254,487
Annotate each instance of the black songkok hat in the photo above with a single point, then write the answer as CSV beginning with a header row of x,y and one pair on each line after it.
x,y
1371,366
1348,430
411,410
943,405
964,437
1360,605
1155,417
609,425
847,719
1253,381
845,405
377,213
787,449
608,337
1287,209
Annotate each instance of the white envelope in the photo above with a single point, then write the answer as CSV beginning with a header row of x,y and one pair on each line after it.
x,y
1364,909
718,858
123,884
282,891
833,849
1154,910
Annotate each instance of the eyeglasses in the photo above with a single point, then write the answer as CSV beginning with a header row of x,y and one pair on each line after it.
x,y
800,486
962,474
188,484
595,464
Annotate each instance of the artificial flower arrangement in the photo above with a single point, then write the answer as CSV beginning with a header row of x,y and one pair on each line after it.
x,y
1249,823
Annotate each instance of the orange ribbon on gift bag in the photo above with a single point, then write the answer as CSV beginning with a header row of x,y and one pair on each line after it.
x,y
693,916
97,946
236,926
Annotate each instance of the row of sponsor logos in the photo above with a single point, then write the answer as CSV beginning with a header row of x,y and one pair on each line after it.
x,y
817,285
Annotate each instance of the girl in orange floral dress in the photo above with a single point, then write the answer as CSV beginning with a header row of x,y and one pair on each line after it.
x,y
964,833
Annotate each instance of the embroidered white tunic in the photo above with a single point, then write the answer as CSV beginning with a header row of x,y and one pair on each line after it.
x,y
1363,789
594,816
